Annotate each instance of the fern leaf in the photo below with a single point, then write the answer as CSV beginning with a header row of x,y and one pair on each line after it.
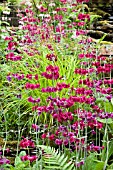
x,y
54,159
64,161
67,165
61,158
72,167
51,162
52,167
58,156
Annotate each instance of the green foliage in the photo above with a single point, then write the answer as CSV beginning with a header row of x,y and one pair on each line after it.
x,y
92,163
110,149
14,1
94,17
19,164
110,167
55,160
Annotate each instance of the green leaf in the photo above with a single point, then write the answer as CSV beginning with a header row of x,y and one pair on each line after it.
x,y
22,153
10,167
64,160
17,161
99,166
101,99
112,101
108,121
110,151
51,167
108,106
71,167
61,158
110,167
93,17
51,162
89,163
67,165
101,39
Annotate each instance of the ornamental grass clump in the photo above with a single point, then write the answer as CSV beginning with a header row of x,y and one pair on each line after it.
x,y
59,96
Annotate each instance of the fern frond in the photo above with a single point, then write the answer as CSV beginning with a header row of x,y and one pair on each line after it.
x,y
55,160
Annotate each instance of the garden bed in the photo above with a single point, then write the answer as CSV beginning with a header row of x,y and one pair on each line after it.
x,y
56,102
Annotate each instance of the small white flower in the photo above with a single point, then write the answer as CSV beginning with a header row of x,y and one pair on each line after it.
x,y
41,15
28,3
54,12
6,12
52,4
74,35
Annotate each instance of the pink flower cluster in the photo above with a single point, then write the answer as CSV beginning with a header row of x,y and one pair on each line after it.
x,y
49,89
22,76
81,1
88,55
24,143
82,71
35,127
28,157
83,91
87,82
30,76
52,72
104,90
51,57
58,87
32,100
82,16
109,81
11,45
105,69
32,86
18,76
12,57
63,116
4,160
10,38
94,148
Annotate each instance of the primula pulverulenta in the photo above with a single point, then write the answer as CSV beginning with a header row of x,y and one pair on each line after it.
x,y
4,161
61,83
28,157
25,143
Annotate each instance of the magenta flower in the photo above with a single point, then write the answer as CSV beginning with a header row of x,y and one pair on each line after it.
x,y
9,38
24,143
81,23
32,100
58,17
10,45
32,86
52,72
81,1
63,1
35,127
52,137
29,76
58,141
28,157
42,9
4,161
9,55
44,135
82,16
51,57
49,89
